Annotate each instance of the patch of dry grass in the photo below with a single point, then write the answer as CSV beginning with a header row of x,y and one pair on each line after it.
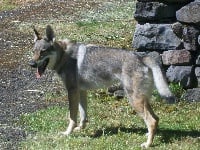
x,y
12,4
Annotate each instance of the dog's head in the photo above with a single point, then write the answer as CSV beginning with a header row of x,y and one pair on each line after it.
x,y
44,53
47,51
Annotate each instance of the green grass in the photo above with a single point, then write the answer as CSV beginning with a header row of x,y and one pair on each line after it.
x,y
6,5
113,124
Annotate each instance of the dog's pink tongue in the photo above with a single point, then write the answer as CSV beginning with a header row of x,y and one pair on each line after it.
x,y
38,74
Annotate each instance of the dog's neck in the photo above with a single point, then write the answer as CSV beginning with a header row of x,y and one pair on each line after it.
x,y
65,58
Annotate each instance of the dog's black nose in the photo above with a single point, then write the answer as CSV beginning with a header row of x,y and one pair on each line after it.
x,y
33,64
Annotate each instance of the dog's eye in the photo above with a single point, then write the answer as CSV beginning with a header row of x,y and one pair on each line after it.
x,y
42,52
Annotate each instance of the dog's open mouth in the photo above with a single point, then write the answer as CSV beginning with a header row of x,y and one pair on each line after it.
x,y
41,68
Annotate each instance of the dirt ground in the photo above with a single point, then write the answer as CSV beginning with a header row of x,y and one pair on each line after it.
x,y
20,91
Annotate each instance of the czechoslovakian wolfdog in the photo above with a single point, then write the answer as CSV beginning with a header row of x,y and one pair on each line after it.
x,y
83,67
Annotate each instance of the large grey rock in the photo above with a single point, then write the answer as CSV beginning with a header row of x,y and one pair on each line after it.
x,y
190,38
189,34
185,75
192,95
155,11
155,37
189,13
177,73
176,57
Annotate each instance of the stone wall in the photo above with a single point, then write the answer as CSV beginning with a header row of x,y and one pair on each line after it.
x,y
172,28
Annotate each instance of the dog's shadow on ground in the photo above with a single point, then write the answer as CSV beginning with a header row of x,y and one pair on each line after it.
x,y
166,134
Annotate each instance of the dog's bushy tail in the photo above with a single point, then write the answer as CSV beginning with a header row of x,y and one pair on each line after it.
x,y
152,60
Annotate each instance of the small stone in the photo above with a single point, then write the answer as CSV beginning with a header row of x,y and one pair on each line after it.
x,y
119,94
178,29
192,95
176,57
198,60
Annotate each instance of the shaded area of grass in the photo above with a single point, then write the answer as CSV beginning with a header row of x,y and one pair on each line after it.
x,y
168,135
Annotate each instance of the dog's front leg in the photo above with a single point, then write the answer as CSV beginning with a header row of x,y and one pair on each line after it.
x,y
73,95
82,110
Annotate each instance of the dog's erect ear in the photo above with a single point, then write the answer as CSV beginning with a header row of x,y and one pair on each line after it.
x,y
36,34
50,33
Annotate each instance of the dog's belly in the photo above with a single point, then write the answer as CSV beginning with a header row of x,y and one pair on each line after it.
x,y
96,82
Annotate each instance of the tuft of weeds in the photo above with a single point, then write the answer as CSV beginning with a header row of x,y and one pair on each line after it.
x,y
175,88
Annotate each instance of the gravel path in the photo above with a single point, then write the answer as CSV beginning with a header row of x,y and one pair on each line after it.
x,y
20,91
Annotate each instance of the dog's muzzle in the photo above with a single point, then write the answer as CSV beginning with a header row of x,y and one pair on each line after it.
x,y
33,64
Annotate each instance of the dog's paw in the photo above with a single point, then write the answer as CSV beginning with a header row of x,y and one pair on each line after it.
x,y
76,129
64,133
145,145
80,127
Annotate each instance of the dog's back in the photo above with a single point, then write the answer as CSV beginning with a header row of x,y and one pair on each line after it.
x,y
101,66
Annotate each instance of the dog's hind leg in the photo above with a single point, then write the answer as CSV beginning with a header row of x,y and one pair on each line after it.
x,y
82,110
143,108
138,92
